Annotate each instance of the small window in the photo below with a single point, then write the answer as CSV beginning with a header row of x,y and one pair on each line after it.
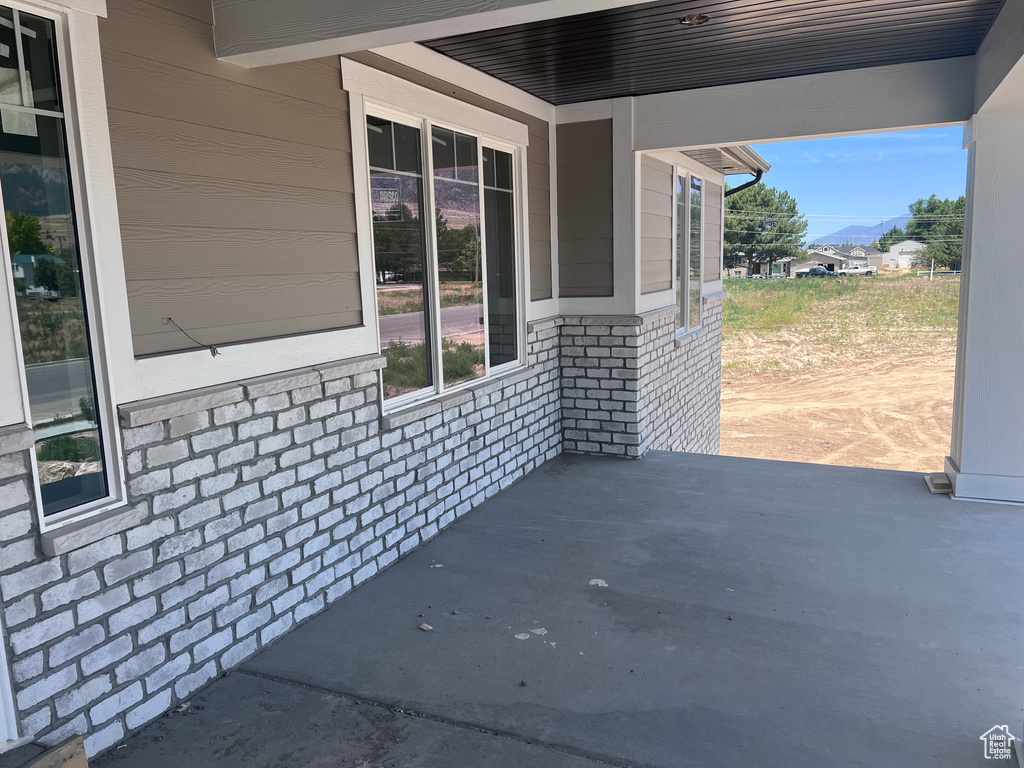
x,y
40,235
689,248
447,295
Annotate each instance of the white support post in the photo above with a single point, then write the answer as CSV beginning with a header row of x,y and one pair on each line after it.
x,y
987,452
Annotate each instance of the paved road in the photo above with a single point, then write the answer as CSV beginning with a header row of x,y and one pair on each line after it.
x,y
54,389
409,327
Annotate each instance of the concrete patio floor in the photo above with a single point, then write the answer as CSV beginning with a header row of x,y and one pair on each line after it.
x,y
756,613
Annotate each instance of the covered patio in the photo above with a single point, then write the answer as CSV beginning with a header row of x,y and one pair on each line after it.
x,y
680,610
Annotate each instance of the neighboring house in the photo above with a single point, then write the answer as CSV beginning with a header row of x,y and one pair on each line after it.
x,y
259,429
835,257
23,267
901,255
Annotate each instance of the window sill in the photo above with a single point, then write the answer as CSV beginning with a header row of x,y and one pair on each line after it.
x,y
685,337
434,404
80,533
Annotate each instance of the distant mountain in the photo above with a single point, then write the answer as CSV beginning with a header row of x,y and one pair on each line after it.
x,y
859,234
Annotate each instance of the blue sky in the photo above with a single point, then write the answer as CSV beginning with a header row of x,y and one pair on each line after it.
x,y
865,179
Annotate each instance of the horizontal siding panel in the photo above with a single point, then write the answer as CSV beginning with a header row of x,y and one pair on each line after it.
x,y
538,177
134,84
598,202
580,143
147,142
224,311
539,202
155,33
156,199
540,285
657,276
652,225
576,254
200,10
595,176
655,202
540,253
591,226
167,252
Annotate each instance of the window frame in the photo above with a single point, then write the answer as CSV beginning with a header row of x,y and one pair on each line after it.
x,y
513,142
66,51
682,172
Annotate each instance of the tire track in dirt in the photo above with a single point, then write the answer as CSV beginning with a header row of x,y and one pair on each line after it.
x,y
892,411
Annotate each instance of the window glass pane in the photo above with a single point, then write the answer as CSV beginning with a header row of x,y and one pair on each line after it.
x,y
10,72
407,149
695,253
457,224
499,224
400,266
38,46
682,214
380,143
443,144
51,303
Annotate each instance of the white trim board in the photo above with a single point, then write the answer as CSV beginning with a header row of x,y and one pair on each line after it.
x,y
387,90
255,33
869,100
432,63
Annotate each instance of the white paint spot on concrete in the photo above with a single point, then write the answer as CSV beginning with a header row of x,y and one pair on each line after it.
x,y
540,631
598,583
551,644
523,636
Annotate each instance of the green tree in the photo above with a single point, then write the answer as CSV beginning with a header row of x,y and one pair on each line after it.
x,y
398,245
762,226
24,234
47,275
939,224
894,235
458,250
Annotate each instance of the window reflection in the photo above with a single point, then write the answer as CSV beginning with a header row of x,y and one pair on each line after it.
x,y
35,183
460,269
399,251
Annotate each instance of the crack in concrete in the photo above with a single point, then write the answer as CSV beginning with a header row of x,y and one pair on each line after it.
x,y
399,710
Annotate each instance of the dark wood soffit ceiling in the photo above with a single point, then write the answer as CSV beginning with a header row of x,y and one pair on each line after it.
x,y
643,49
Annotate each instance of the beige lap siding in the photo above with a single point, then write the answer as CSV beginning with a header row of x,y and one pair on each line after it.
x,y
656,201
234,186
712,231
585,231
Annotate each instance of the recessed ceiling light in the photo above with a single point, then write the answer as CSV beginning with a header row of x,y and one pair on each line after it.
x,y
695,20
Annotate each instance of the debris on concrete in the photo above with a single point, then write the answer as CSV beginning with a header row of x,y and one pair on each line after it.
x,y
183,707
437,565
522,636
539,631
426,627
598,583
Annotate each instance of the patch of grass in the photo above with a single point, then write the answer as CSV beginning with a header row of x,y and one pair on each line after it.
x,y
67,448
766,305
407,365
400,302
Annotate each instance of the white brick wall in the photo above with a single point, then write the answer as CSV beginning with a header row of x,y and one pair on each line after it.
x,y
628,386
265,501
261,504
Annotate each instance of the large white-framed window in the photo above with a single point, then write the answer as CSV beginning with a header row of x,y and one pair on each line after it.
x,y
440,201
50,285
688,247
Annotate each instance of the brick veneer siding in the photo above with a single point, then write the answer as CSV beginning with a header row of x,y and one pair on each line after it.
x,y
629,385
681,382
600,380
261,503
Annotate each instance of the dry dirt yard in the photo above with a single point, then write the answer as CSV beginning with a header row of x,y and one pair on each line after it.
x,y
851,371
